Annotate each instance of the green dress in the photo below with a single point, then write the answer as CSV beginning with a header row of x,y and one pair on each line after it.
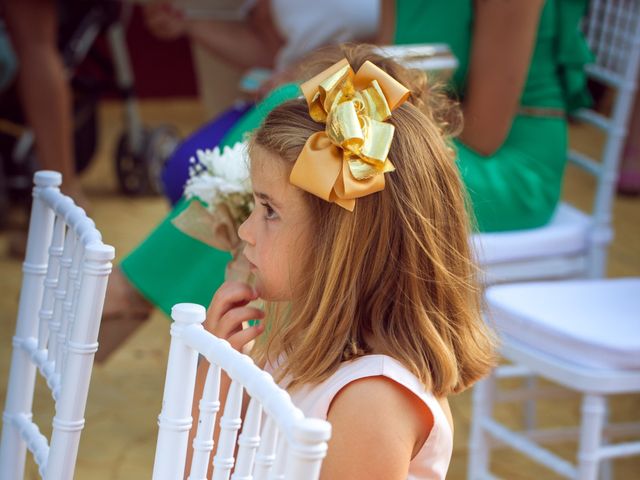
x,y
517,187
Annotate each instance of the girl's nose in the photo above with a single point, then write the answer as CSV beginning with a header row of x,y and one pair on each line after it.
x,y
244,231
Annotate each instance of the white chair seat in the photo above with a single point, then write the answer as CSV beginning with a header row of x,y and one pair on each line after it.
x,y
566,234
593,323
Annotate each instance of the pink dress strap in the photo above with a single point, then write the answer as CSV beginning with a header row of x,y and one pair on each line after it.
x,y
432,461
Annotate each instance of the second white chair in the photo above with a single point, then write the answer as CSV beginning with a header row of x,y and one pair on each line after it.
x,y
63,288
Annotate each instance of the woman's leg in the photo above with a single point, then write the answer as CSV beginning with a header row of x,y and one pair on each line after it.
x,y
43,86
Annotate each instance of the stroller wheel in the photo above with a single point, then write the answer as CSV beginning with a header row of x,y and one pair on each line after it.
x,y
130,167
160,144
139,173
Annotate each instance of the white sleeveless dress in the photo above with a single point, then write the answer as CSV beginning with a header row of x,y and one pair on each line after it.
x,y
432,461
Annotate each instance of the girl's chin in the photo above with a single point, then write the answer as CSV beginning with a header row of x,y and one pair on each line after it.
x,y
264,293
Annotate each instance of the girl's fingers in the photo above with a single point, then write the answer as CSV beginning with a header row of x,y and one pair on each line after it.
x,y
240,339
228,296
232,321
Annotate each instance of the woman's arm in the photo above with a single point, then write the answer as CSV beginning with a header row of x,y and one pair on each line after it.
x,y
387,25
254,42
377,428
504,35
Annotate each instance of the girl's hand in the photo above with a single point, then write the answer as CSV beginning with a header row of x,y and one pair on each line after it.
x,y
229,309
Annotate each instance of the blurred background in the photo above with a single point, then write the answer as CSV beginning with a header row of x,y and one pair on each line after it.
x,y
175,87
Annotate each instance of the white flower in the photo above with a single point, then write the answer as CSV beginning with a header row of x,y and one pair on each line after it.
x,y
205,187
232,164
222,178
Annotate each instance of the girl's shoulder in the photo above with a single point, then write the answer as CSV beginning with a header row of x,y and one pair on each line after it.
x,y
370,366
384,391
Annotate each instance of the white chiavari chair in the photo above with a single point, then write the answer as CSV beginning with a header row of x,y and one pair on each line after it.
x,y
65,274
574,244
561,330
276,441
583,335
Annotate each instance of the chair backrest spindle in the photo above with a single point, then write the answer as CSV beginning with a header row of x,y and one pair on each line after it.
x,y
209,406
66,297
266,455
51,282
174,422
230,423
57,320
248,442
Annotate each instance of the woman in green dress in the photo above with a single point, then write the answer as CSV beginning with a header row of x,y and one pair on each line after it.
x,y
520,72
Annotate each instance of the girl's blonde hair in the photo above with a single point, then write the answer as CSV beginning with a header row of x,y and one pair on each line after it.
x,y
395,276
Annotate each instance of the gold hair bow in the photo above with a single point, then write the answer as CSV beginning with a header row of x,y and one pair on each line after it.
x,y
348,160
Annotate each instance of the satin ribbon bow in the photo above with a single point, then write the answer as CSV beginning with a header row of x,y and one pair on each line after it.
x,y
348,160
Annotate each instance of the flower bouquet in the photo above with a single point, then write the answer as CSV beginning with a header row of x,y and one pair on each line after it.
x,y
220,189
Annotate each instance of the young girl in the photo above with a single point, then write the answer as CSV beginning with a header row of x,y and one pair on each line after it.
x,y
362,255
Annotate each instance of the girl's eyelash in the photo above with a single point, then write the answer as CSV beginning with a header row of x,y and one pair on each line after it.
x,y
271,213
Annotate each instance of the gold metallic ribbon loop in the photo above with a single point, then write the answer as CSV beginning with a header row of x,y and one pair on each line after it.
x,y
348,160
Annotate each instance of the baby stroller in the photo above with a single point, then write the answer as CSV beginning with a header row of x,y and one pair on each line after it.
x,y
140,152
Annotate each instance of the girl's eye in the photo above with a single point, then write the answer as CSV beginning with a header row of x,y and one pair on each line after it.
x,y
270,213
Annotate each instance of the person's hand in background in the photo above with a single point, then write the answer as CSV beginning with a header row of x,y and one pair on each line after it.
x,y
287,75
164,20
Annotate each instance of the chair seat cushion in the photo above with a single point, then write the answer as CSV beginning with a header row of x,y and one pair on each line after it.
x,y
593,323
566,234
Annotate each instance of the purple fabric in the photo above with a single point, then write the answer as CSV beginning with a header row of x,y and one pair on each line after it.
x,y
176,171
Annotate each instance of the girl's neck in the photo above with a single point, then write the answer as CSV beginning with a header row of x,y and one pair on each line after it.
x,y
374,345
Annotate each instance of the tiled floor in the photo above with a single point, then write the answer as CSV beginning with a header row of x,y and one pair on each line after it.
x,y
124,400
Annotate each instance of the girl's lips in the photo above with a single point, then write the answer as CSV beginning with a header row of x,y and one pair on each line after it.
x,y
252,265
